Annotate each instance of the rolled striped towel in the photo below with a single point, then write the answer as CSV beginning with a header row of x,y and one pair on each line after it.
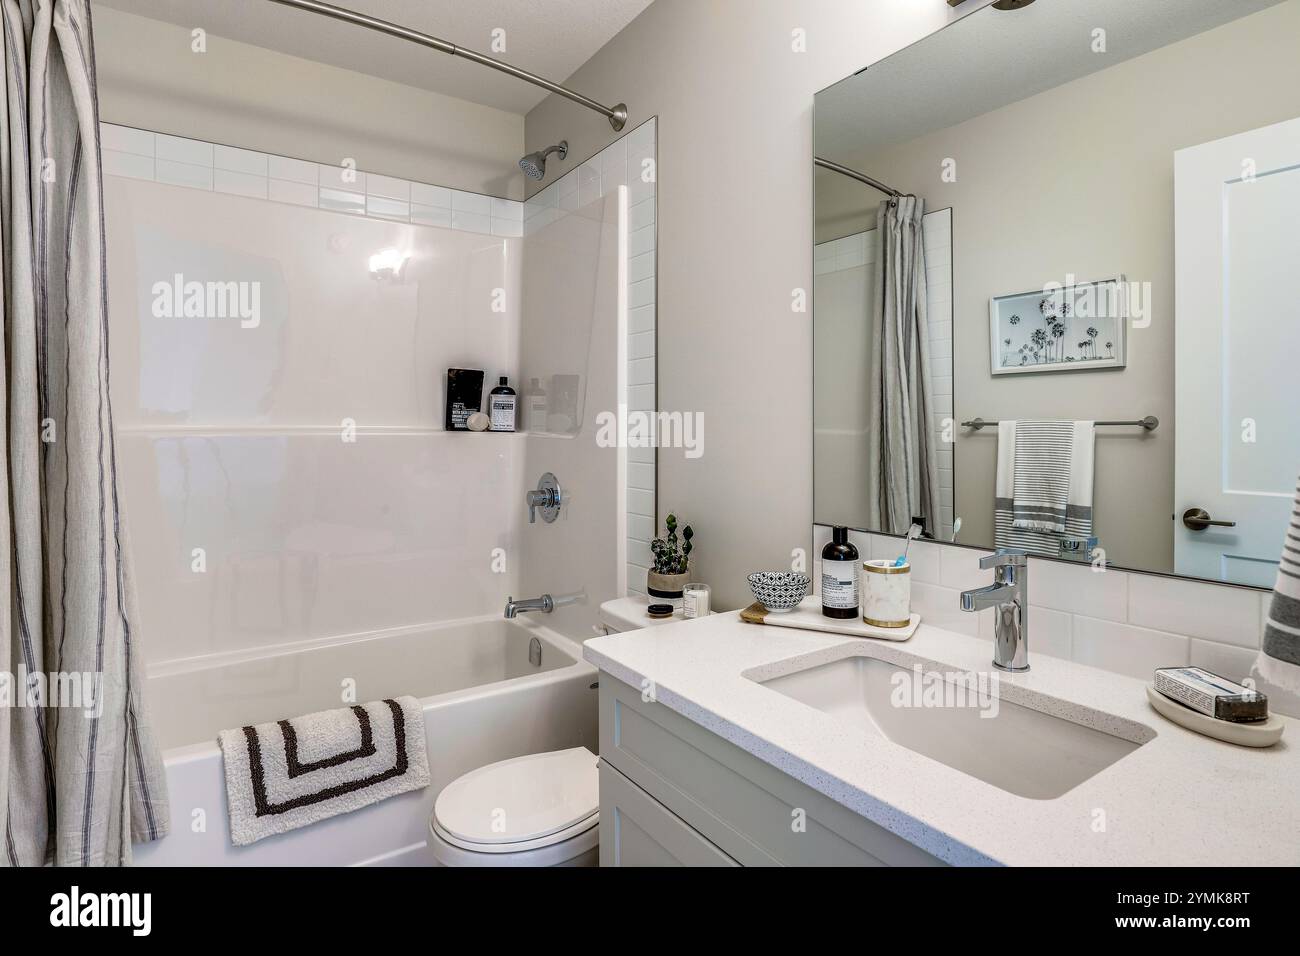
x,y
1279,657
284,775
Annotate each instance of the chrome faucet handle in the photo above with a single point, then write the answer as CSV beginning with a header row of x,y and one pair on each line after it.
x,y
1005,557
547,498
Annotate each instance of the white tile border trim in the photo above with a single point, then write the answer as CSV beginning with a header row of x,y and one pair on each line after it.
x,y
196,164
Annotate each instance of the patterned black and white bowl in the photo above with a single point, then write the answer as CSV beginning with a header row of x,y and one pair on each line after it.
x,y
779,590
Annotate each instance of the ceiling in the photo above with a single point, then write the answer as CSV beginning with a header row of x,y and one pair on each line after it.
x,y
993,58
549,37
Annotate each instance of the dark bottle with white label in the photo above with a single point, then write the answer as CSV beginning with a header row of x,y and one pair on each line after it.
x,y
840,576
503,404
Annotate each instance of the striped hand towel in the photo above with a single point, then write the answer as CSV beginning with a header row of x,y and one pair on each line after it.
x,y
1279,659
1049,496
1044,451
284,775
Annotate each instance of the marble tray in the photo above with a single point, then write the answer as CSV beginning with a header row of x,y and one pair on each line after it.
x,y
807,616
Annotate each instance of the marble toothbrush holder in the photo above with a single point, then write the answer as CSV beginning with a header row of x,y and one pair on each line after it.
x,y
886,593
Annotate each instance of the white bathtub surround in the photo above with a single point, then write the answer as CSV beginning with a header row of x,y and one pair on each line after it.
x,y
1176,799
482,700
630,160
291,773
289,480
304,523
582,360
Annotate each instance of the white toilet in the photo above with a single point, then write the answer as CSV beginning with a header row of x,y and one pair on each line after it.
x,y
536,810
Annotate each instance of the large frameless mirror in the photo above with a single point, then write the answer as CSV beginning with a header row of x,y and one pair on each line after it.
x,y
1053,305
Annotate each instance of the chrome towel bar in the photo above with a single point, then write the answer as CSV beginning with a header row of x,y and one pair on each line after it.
x,y
1150,423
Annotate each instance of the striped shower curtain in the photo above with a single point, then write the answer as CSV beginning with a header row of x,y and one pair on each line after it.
x,y
80,774
902,460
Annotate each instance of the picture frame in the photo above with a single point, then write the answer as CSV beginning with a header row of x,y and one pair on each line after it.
x,y
1075,327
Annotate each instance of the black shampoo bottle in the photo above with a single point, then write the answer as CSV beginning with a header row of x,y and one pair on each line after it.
x,y
840,576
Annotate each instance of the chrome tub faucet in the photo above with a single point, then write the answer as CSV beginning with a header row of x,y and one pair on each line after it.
x,y
545,604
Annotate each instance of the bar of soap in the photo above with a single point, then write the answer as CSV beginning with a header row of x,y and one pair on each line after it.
x,y
1257,733
1211,694
478,422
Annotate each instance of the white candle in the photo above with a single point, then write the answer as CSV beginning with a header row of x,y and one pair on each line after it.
x,y
695,600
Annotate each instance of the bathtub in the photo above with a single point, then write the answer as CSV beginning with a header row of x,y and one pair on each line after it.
x,y
484,700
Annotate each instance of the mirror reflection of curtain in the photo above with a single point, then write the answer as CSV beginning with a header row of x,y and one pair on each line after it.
x,y
903,470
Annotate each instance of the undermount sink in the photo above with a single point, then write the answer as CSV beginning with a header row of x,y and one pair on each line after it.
x,y
950,717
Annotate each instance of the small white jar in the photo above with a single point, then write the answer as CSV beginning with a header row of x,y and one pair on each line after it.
x,y
886,593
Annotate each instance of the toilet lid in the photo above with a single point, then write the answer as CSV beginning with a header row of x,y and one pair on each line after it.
x,y
521,799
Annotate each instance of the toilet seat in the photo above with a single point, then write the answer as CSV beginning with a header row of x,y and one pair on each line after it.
x,y
579,850
521,804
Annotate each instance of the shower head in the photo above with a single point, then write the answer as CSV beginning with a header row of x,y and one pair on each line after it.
x,y
534,164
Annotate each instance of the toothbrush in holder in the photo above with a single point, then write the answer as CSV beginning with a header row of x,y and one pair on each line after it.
x,y
912,532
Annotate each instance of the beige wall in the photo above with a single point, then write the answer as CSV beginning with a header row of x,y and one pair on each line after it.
x,y
1079,179
735,238
244,95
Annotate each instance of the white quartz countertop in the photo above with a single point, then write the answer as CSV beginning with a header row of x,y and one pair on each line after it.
x,y
1180,799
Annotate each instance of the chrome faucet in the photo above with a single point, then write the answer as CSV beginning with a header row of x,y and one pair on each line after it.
x,y
545,604
1009,594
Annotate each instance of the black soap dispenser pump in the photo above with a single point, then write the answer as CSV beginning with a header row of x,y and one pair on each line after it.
x,y
840,576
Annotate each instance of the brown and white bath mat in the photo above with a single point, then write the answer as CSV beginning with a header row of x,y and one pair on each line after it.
x,y
284,775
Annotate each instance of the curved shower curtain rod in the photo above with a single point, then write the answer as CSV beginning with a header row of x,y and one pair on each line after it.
x,y
860,177
617,114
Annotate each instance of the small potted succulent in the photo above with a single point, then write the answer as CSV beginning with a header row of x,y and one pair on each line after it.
x,y
671,562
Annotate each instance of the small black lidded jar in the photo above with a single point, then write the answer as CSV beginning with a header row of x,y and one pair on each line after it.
x,y
840,576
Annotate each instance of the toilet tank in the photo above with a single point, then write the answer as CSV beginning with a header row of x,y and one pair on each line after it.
x,y
629,614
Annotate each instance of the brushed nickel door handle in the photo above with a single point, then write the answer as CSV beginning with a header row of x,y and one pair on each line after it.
x,y
1198,519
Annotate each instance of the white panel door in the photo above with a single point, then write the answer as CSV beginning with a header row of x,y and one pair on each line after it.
x,y
1237,439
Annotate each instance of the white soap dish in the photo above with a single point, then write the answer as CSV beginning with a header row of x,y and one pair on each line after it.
x,y
1259,733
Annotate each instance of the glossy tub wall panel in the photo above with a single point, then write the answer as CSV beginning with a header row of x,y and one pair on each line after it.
x,y
575,333
628,161
305,536
280,436
328,340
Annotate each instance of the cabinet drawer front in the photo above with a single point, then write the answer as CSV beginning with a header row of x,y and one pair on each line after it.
x,y
756,814
637,830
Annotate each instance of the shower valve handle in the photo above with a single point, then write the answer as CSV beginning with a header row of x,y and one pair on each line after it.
x,y
547,499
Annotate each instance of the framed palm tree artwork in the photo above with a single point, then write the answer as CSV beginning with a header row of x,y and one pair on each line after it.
x,y
1071,327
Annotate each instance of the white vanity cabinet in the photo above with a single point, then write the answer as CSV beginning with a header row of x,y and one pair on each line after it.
x,y
675,794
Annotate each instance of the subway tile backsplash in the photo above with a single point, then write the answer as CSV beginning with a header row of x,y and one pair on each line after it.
x,y
178,161
1119,621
